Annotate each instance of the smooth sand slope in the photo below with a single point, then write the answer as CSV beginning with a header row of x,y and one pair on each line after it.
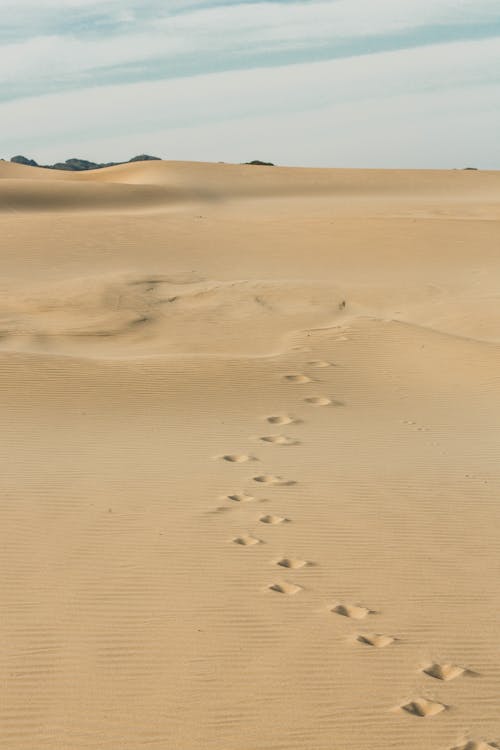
x,y
250,459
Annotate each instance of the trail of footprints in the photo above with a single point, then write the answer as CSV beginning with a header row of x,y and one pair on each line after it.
x,y
420,707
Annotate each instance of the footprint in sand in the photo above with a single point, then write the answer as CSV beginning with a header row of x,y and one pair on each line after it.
x,y
297,379
352,611
292,563
280,419
477,745
423,708
246,541
279,440
445,672
220,509
319,363
240,497
318,401
377,640
273,520
285,588
273,479
235,458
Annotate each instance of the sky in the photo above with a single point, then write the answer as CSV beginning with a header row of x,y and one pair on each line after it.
x,y
335,83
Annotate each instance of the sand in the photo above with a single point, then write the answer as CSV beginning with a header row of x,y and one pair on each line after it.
x,y
250,478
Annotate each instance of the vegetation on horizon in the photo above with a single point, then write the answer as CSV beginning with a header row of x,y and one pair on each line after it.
x,y
80,165
83,165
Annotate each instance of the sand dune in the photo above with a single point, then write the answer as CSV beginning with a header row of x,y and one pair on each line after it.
x,y
250,467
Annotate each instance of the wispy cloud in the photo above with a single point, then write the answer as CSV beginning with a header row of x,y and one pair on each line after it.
x,y
81,42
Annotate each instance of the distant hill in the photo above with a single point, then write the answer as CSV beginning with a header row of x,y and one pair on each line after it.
x,y
79,165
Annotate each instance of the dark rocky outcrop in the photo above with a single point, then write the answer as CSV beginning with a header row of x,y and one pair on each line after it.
x,y
144,157
76,165
261,163
24,160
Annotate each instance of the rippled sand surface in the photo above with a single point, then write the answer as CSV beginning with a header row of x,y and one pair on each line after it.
x,y
250,477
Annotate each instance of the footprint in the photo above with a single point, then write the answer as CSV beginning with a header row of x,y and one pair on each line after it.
x,y
352,611
423,708
375,639
444,672
273,520
297,378
285,588
246,541
292,563
476,745
235,458
280,419
279,440
272,479
241,497
319,363
220,509
318,401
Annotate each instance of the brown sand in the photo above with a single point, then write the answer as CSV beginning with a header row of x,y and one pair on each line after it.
x,y
250,476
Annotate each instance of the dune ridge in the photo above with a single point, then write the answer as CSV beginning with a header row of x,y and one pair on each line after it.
x,y
132,315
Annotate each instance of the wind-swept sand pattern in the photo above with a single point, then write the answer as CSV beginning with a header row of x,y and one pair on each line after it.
x,y
324,367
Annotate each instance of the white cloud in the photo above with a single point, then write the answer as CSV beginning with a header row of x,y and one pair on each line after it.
x,y
57,58
263,28
433,106
339,18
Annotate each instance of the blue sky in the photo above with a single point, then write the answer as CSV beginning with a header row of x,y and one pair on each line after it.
x,y
395,83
